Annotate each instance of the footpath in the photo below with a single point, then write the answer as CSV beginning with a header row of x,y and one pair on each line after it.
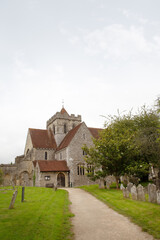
x,y
96,221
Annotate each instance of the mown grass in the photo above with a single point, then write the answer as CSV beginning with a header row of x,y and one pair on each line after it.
x,y
144,214
44,215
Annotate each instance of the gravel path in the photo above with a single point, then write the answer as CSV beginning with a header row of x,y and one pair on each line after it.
x,y
95,221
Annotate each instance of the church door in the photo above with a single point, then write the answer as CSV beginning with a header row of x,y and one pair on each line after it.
x,y
61,180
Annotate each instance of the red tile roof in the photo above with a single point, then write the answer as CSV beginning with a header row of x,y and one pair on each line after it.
x,y
53,166
42,138
63,110
67,139
95,132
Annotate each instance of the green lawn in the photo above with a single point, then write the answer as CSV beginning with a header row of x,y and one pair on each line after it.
x,y
144,214
44,215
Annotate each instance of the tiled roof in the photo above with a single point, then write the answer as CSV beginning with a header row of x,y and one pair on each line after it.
x,y
63,110
67,139
53,166
95,132
42,138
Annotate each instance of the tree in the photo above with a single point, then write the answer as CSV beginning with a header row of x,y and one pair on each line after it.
x,y
128,145
115,148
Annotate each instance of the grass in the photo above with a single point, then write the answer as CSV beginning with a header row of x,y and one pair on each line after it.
x,y
44,215
144,214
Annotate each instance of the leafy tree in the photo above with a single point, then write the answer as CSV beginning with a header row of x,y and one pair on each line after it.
x,y
115,148
128,145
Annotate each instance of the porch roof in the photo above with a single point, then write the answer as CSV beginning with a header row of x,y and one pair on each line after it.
x,y
53,166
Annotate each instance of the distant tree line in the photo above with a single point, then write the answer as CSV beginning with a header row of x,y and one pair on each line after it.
x,y
129,145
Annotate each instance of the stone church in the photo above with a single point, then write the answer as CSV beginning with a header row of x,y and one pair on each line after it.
x,y
53,156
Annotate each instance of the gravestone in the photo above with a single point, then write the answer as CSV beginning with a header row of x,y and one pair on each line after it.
x,y
129,186
140,193
101,183
13,199
134,192
108,185
158,196
121,186
125,192
152,193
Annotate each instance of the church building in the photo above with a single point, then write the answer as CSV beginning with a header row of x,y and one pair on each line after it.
x,y
53,156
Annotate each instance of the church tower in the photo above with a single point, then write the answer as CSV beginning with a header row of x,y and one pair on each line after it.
x,y
61,123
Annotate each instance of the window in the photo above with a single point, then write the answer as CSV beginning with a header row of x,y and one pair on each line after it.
x,y
80,169
73,125
90,168
65,128
84,153
54,129
47,178
84,136
45,155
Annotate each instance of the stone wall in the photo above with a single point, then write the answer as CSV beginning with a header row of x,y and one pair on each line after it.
x,y
75,155
29,144
39,154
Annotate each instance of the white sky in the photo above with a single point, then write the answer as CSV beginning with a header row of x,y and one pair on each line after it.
x,y
97,55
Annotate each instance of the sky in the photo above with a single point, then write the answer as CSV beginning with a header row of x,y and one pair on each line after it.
x,y
100,56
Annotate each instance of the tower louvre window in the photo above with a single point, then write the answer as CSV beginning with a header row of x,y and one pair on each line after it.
x,y
45,155
65,128
54,129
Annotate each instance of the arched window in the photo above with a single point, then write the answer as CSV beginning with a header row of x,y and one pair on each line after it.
x,y
65,128
73,125
54,129
80,169
45,155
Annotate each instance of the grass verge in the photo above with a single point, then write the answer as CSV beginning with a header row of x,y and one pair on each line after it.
x,y
144,214
44,215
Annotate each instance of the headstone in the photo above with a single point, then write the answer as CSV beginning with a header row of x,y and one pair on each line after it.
x,y
125,192
158,196
140,193
108,185
129,186
101,183
121,186
134,192
13,199
152,193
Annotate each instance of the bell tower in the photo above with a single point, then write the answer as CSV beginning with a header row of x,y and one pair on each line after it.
x,y
61,123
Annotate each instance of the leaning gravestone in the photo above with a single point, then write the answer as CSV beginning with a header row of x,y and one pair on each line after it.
x,y
129,186
134,192
13,199
140,193
152,193
158,196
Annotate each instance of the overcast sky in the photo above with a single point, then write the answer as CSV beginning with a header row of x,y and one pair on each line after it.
x,y
97,55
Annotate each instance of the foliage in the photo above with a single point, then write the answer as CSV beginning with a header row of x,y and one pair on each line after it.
x,y
128,145
1,176
44,215
144,214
